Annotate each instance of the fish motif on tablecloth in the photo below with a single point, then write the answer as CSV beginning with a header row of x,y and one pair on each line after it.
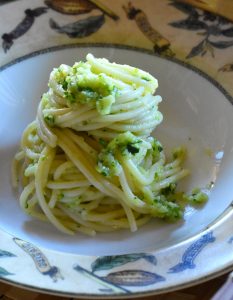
x,y
78,29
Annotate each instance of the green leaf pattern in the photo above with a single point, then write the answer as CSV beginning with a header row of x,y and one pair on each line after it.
x,y
4,272
213,27
4,253
109,262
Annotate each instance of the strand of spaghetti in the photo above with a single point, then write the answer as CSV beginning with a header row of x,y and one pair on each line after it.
x,y
129,105
170,172
90,196
30,170
88,115
79,140
132,200
78,218
61,169
148,195
109,201
138,176
69,201
119,223
128,96
76,176
19,155
58,112
24,140
57,88
61,215
75,192
89,127
91,174
46,134
133,128
175,163
144,134
71,225
90,206
96,217
123,223
41,134
103,208
140,127
156,186
161,162
24,179
53,199
31,154
102,67
130,179
47,153
80,161
119,84
72,115
37,215
32,201
148,161
85,230
25,194
14,173
55,164
57,99
146,115
105,134
121,116
67,185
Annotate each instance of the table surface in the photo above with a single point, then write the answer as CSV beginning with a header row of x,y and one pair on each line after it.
x,y
214,59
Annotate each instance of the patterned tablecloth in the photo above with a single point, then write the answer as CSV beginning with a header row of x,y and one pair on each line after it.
x,y
199,33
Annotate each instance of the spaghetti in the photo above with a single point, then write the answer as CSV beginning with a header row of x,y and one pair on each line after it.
x,y
88,162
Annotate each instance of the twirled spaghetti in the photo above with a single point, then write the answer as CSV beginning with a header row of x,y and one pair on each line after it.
x,y
88,162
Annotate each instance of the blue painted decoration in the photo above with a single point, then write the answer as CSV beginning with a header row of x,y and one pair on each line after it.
x,y
192,252
4,272
4,254
115,280
40,260
106,287
109,262
230,241
134,278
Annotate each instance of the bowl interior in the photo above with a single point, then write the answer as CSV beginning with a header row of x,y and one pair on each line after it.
x,y
196,114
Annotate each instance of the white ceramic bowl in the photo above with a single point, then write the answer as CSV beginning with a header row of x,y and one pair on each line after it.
x,y
197,114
